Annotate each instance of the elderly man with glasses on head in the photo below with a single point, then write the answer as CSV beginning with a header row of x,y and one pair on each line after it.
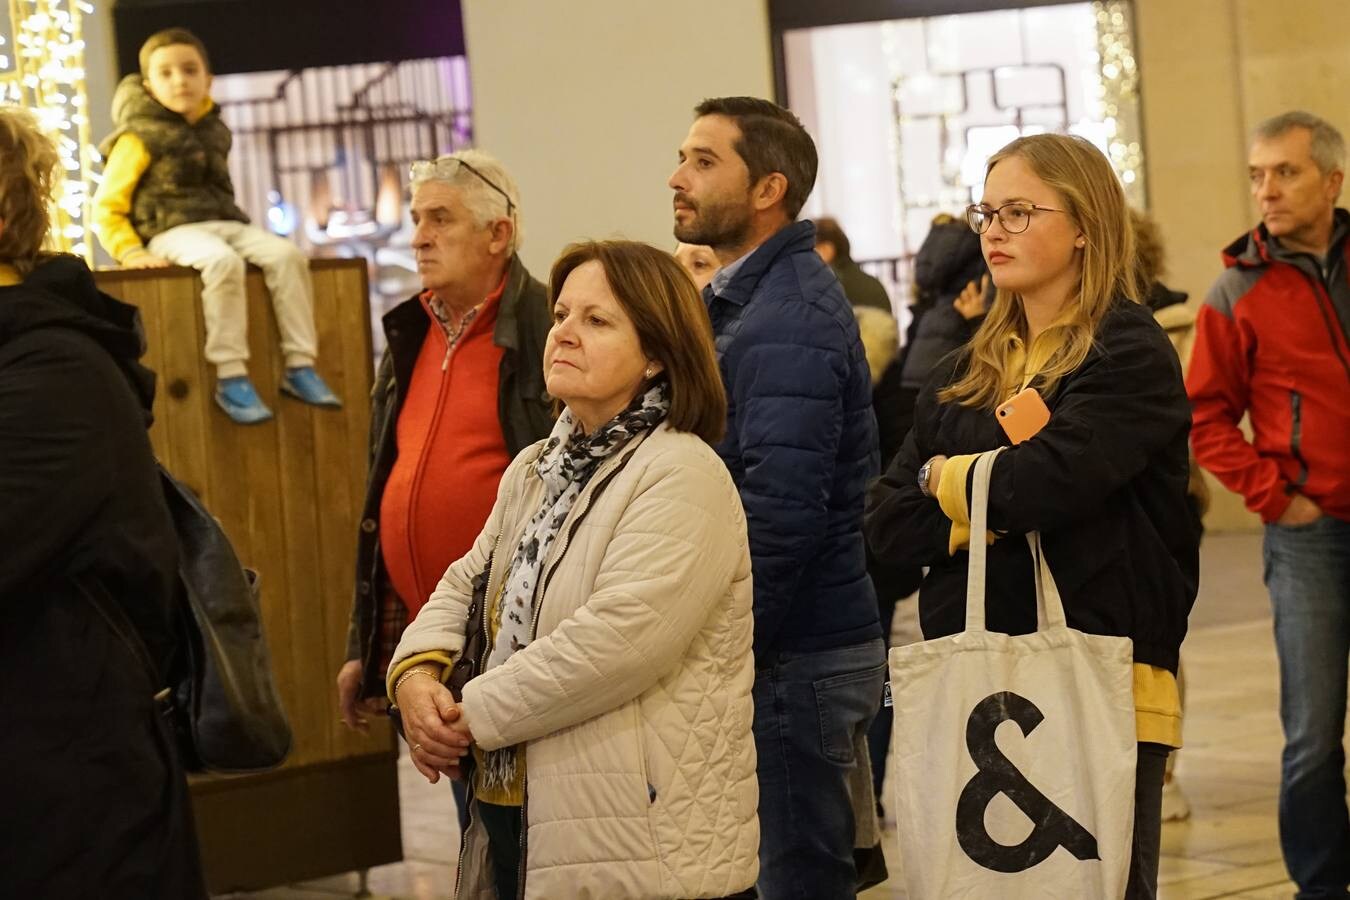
x,y
459,392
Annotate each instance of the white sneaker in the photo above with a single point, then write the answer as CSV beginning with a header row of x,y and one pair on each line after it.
x,y
1174,805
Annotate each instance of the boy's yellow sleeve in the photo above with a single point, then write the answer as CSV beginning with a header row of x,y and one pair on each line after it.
x,y
112,203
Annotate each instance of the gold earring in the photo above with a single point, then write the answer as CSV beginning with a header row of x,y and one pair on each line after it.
x,y
649,373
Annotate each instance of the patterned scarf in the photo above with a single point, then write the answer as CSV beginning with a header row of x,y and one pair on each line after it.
x,y
569,460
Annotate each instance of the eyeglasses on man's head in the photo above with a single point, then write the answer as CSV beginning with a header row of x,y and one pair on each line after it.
x,y
445,168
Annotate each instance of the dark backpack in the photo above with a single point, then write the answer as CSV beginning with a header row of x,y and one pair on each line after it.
x,y
221,701
229,715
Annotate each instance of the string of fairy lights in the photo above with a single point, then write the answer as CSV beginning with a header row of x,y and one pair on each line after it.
x,y
42,68
923,55
1119,95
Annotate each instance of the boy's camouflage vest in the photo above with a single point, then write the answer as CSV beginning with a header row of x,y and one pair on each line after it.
x,y
188,179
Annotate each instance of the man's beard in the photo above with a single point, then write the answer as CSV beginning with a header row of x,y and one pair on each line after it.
x,y
716,226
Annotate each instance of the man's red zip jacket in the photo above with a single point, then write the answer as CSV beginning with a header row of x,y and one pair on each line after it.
x,y
1271,339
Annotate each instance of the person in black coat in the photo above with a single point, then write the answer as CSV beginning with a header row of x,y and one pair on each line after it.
x,y
95,800
861,289
948,264
951,295
1104,482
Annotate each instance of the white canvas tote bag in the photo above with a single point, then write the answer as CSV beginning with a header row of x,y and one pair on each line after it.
x,y
1015,756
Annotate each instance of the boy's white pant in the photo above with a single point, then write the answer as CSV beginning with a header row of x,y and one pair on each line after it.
x,y
220,251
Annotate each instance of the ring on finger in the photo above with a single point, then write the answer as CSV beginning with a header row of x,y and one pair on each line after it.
x,y
416,747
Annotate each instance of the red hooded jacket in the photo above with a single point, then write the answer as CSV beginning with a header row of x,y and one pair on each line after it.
x,y
1271,341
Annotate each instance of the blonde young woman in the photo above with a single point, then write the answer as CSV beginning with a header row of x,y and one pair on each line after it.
x,y
610,726
1104,482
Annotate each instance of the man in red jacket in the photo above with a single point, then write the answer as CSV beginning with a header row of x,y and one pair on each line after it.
x,y
459,392
1271,342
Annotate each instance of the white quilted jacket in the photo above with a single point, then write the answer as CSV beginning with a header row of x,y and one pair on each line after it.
x,y
634,700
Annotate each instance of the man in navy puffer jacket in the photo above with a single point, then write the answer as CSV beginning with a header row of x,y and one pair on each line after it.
x,y
801,445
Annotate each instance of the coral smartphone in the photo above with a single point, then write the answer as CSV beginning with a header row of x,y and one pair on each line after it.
x,y
1023,415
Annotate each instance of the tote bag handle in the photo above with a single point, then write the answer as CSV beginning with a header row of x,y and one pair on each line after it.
x,y
1049,604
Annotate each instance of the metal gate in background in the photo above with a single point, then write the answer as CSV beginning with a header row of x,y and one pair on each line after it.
x,y
330,147
321,155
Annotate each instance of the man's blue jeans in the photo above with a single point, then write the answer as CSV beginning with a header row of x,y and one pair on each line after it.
x,y
1307,570
809,710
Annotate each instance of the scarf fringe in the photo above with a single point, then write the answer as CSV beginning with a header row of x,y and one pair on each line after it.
x,y
499,769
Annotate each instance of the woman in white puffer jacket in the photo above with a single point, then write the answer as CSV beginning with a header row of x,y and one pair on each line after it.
x,y
602,620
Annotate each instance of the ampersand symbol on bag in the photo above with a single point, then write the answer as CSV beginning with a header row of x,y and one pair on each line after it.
x,y
1051,826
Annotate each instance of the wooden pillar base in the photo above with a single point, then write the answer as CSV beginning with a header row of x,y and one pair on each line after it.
x,y
291,825
289,494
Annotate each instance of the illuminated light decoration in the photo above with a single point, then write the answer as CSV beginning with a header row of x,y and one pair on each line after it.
x,y
890,48
42,68
1118,91
959,129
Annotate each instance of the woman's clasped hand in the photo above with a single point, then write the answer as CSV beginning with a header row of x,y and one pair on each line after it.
x,y
433,724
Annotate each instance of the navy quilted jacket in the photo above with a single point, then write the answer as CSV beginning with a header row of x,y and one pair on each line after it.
x,y
801,443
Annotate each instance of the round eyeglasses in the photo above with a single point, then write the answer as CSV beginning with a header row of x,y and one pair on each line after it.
x,y
1015,217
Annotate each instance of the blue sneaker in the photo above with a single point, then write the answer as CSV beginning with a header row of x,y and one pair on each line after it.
x,y
303,383
240,401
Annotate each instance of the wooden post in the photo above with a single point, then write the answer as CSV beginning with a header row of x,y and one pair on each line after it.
x,y
289,494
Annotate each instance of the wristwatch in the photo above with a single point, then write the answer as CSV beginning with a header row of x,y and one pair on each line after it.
x,y
924,471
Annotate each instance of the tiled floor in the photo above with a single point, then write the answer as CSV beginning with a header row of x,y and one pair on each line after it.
x,y
1229,769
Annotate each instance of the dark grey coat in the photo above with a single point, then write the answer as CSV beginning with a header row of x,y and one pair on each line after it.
x,y
524,410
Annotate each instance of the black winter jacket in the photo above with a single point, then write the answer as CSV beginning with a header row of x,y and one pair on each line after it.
x,y
95,801
948,260
860,288
1104,482
524,409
